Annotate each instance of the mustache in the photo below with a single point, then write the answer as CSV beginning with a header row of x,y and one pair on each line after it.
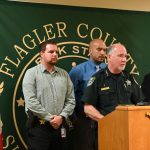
x,y
102,56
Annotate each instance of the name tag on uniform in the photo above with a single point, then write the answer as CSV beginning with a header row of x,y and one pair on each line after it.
x,y
105,88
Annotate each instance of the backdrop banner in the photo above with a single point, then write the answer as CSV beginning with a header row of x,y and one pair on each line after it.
x,y
23,26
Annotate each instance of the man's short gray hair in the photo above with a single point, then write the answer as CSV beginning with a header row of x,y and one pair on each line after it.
x,y
112,47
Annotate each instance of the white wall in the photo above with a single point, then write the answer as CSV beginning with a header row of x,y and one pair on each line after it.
x,y
139,5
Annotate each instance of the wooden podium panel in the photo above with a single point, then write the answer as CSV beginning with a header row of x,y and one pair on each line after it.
x,y
126,128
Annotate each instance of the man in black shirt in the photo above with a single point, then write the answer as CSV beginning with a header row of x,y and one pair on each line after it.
x,y
111,86
146,87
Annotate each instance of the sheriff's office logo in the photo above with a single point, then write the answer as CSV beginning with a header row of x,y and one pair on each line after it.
x,y
12,71
1,87
91,81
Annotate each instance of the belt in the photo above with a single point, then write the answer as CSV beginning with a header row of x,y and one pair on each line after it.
x,y
34,120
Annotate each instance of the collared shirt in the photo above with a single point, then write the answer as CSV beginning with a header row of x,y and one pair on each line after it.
x,y
47,93
80,76
106,90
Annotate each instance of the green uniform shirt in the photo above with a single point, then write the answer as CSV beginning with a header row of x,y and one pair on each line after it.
x,y
47,93
105,91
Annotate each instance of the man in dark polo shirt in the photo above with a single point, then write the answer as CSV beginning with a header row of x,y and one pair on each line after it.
x,y
111,86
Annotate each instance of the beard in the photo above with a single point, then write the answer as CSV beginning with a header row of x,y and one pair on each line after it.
x,y
52,63
100,59
122,68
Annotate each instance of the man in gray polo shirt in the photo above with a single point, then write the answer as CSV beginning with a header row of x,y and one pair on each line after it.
x,y
49,99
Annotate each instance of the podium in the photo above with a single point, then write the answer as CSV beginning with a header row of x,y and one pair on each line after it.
x,y
126,128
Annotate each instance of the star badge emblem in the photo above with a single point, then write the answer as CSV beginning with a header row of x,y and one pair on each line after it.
x,y
42,121
128,82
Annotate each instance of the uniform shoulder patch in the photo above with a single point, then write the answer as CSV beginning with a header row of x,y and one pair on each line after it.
x,y
90,82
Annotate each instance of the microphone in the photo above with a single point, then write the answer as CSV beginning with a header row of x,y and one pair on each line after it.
x,y
142,103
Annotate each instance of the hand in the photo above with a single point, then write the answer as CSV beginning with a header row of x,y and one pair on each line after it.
x,y
100,116
56,121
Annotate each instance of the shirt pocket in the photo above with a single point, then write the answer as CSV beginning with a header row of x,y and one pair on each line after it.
x,y
108,97
61,86
128,95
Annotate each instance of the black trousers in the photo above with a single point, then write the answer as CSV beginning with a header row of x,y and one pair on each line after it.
x,y
45,137
84,135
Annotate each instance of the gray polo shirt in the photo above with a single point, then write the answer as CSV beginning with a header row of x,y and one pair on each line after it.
x,y
47,93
